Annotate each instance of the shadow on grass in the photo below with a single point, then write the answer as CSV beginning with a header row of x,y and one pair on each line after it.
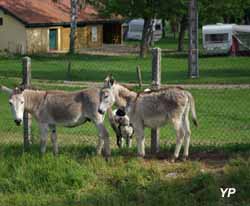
x,y
197,152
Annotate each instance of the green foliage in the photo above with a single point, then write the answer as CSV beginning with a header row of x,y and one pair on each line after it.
x,y
229,11
134,9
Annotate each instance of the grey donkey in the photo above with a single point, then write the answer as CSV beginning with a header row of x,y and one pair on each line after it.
x,y
52,108
152,109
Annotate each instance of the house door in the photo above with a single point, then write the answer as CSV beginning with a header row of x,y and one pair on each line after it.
x,y
53,39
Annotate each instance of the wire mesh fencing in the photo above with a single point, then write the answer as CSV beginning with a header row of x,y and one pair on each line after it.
x,y
222,108
223,115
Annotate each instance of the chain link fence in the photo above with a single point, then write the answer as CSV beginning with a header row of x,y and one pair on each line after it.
x,y
222,110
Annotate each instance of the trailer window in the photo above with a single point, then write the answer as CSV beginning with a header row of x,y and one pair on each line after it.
x,y
136,27
216,38
157,27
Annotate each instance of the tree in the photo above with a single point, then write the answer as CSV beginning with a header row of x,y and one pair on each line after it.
x,y
146,9
176,12
75,6
225,11
183,28
73,25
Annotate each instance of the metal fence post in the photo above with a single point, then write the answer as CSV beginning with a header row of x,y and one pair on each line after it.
x,y
156,84
26,117
193,53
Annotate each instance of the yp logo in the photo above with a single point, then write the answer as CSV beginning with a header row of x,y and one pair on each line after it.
x,y
227,192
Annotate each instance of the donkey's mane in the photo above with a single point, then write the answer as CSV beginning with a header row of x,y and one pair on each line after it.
x,y
130,88
152,91
19,89
22,88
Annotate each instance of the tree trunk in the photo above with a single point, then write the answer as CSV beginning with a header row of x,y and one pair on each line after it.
x,y
73,26
183,27
163,28
146,37
174,27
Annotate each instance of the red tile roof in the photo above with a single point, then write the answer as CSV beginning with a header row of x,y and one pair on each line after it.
x,y
34,12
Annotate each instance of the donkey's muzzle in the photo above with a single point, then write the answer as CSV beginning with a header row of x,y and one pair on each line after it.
x,y
18,122
100,111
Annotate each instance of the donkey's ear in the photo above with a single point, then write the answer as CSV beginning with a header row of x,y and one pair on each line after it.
x,y
21,87
6,89
109,81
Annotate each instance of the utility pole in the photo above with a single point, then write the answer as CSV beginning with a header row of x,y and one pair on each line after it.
x,y
193,52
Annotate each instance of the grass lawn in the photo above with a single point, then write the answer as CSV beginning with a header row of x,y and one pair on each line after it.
x,y
221,69
219,158
77,177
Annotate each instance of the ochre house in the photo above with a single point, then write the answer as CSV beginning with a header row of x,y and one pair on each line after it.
x,y
43,26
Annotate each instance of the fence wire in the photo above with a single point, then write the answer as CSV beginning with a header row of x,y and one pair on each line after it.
x,y
223,116
222,110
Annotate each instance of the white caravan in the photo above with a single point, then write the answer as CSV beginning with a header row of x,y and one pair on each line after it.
x,y
135,28
226,38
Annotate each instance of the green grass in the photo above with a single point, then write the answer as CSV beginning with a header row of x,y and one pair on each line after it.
x,y
219,153
70,179
95,68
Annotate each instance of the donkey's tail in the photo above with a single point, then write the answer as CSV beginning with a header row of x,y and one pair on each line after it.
x,y
192,106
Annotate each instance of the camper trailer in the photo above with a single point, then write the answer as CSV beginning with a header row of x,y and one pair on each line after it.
x,y
226,39
135,28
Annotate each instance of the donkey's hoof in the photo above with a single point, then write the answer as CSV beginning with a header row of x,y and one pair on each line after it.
x,y
184,158
106,154
173,159
55,153
140,156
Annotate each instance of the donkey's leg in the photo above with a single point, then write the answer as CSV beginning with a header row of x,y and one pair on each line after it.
x,y
179,137
139,133
103,140
43,138
187,135
54,139
129,141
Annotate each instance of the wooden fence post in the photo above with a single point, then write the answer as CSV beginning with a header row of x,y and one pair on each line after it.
x,y
26,117
69,71
156,84
139,77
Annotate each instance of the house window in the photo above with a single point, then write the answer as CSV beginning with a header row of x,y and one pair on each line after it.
x,y
53,39
94,34
1,21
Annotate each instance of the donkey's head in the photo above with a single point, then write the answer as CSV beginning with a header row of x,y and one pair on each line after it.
x,y
16,101
107,95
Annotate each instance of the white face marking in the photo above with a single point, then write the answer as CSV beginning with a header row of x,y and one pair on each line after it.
x,y
107,99
16,102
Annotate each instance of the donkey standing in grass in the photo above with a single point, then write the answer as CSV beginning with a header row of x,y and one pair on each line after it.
x,y
51,108
152,109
